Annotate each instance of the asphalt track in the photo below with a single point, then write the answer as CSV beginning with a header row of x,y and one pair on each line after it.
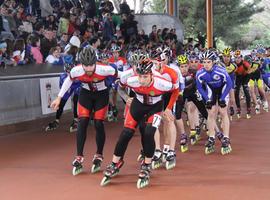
x,y
37,166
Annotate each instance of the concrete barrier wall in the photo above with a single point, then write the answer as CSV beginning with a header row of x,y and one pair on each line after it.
x,y
19,101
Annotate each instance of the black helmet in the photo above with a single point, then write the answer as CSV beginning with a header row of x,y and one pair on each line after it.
x,y
87,56
144,66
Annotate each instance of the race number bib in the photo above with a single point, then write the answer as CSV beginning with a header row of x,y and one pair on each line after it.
x,y
156,120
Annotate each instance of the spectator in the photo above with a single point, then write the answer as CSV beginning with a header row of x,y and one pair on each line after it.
x,y
153,36
106,7
63,41
19,52
4,24
48,42
91,8
124,8
63,24
129,28
72,24
26,25
74,41
54,57
39,30
4,58
142,36
109,29
34,46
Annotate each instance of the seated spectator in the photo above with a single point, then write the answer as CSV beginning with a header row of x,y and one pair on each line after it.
x,y
63,24
48,42
54,57
27,25
34,48
74,41
63,41
5,60
19,52
5,31
124,8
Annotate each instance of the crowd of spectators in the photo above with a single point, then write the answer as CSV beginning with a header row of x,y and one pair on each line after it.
x,y
26,37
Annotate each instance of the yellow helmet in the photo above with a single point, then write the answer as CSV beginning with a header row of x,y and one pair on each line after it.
x,y
237,53
227,52
182,59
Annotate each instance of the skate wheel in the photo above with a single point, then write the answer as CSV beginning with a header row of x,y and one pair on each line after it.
x,y
156,164
95,169
193,141
225,151
105,181
141,183
140,158
71,130
76,171
170,165
209,151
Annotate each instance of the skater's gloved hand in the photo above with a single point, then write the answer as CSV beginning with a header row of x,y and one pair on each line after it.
x,y
129,101
222,103
208,104
55,104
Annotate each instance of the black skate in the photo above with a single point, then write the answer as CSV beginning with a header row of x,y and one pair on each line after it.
x,y
157,159
198,133
144,176
52,126
210,146
231,113
183,142
170,160
192,137
74,126
111,171
238,113
97,160
248,113
226,146
77,165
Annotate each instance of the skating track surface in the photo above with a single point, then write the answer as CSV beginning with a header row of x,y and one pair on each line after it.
x,y
36,165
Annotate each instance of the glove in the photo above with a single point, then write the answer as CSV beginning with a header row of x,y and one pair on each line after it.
x,y
208,105
222,103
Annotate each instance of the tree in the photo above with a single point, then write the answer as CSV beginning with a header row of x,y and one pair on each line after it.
x,y
230,18
157,6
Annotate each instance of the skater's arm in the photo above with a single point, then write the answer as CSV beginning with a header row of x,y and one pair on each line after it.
x,y
204,93
66,85
123,93
227,87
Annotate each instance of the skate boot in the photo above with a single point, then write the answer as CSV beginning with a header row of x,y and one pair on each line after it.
x,y
77,165
231,113
110,116
114,113
219,135
52,125
238,113
74,126
183,142
210,146
226,146
111,171
144,176
259,101
97,160
257,109
157,159
198,133
248,113
265,106
170,160
192,137
141,157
